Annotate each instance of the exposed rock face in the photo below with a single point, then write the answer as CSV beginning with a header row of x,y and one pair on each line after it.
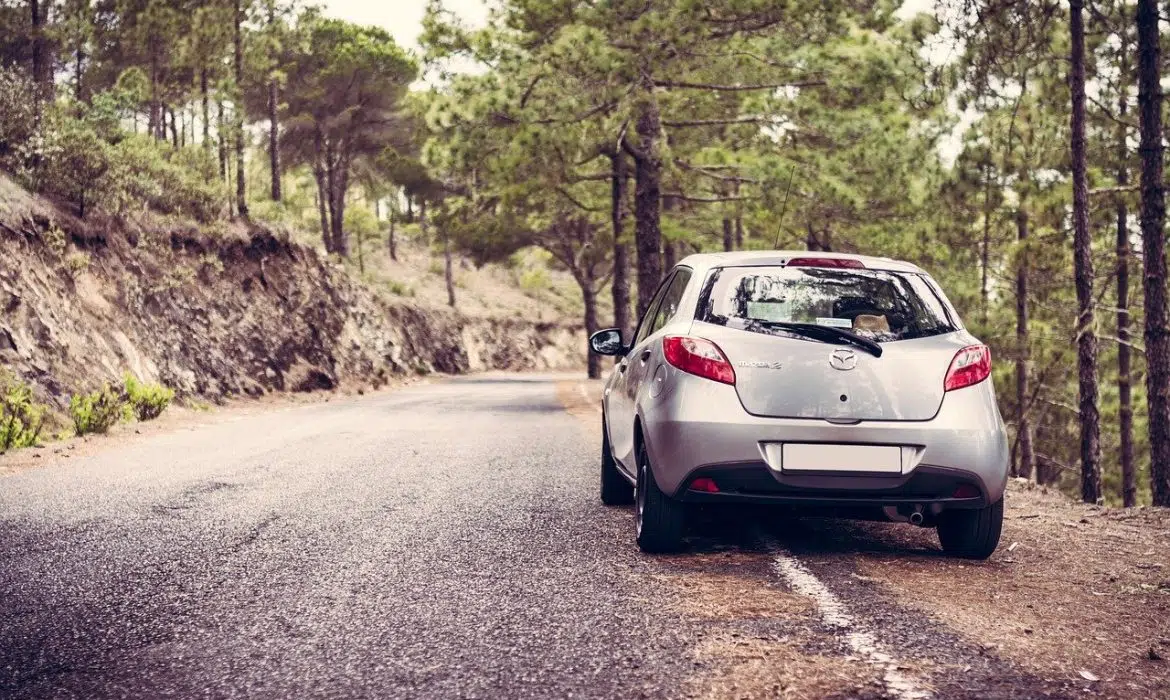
x,y
243,312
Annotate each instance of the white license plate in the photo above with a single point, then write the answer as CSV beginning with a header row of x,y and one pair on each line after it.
x,y
802,457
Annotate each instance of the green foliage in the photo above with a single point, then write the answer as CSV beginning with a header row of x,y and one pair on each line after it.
x,y
98,411
18,121
76,263
21,417
146,401
399,288
148,174
76,162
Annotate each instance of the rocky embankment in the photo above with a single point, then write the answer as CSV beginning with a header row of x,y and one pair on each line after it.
x,y
221,311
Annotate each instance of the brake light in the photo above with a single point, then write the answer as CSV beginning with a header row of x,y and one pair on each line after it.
x,y
970,366
826,262
698,356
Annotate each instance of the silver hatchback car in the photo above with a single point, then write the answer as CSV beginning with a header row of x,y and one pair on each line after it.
x,y
842,383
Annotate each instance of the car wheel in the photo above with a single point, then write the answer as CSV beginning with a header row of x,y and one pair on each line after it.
x,y
971,534
615,489
660,517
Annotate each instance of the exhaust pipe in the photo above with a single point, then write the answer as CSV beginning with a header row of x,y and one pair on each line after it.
x,y
916,517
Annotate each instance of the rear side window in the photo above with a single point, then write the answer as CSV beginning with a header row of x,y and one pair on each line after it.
x,y
877,304
670,301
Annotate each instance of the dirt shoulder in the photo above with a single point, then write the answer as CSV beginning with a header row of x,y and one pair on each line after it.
x,y
1076,601
1074,592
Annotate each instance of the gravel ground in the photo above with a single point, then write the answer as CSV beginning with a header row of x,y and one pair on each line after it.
x,y
440,540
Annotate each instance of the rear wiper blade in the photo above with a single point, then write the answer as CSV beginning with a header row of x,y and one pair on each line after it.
x,y
817,331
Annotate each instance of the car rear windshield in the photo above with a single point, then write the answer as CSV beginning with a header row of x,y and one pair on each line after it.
x,y
877,304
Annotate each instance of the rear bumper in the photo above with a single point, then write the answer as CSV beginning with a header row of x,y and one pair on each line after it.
x,y
698,427
757,483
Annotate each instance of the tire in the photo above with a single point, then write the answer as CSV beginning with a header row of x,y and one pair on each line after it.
x,y
660,517
616,490
971,534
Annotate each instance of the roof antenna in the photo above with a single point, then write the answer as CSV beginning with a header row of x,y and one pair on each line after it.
x,y
784,207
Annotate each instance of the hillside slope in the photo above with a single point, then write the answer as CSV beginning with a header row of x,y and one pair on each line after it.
x,y
216,311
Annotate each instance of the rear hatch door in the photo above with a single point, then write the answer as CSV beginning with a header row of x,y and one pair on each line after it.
x,y
781,376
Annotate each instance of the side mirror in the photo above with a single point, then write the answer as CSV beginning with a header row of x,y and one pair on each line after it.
x,y
608,342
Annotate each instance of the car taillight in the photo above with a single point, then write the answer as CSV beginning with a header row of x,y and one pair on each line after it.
x,y
698,356
970,366
826,262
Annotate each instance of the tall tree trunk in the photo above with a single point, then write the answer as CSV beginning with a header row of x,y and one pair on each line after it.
x,y
1153,215
391,243
273,120
669,247
341,183
361,254
422,220
1026,459
589,295
221,134
83,21
669,255
619,177
448,274
648,201
334,178
174,126
274,141
205,101
42,60
241,180
810,237
155,104
739,232
322,206
728,236
1124,375
1083,264
985,247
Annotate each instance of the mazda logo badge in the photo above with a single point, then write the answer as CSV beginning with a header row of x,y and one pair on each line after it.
x,y
843,359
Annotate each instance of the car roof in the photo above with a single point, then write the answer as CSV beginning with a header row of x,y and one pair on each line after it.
x,y
781,257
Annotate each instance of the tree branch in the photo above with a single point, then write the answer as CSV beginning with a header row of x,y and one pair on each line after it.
x,y
716,122
737,87
706,172
576,202
704,200
1114,190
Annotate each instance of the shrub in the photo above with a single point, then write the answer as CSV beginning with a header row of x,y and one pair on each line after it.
x,y
172,181
76,162
147,401
21,417
76,263
97,412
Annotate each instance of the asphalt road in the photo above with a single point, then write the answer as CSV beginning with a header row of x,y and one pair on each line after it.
x,y
443,540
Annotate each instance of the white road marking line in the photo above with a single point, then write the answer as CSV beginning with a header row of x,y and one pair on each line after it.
x,y
834,614
585,395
